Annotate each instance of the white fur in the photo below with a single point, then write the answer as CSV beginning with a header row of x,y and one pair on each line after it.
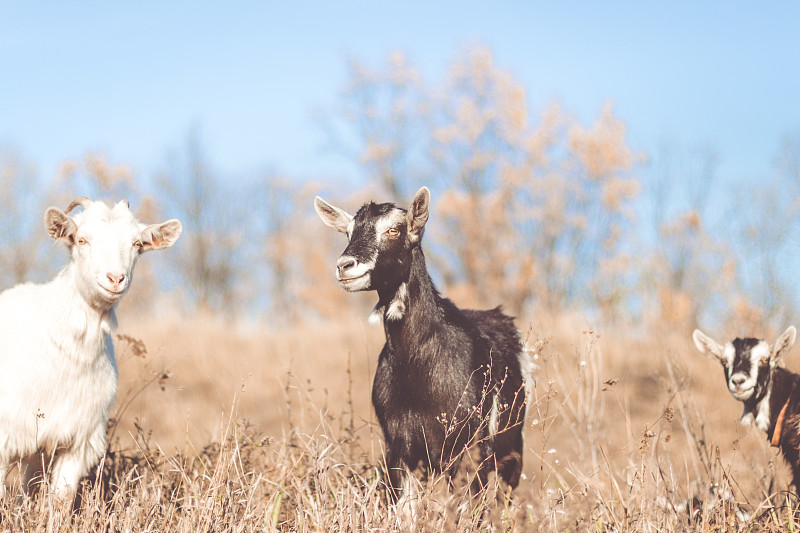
x,y
375,317
397,307
58,374
494,414
763,413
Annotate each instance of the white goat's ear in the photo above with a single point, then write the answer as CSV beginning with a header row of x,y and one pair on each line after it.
x,y
783,345
707,346
60,226
159,236
418,213
332,216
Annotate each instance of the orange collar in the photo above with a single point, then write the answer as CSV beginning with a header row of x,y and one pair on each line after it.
x,y
776,434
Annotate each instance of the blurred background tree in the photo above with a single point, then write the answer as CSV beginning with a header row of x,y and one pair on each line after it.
x,y
209,258
533,208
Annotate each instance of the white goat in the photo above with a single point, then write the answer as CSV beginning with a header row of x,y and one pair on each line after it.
x,y
58,374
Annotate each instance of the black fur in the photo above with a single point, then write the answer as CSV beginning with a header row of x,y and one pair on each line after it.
x,y
785,385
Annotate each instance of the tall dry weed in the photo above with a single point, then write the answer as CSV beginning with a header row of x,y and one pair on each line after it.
x,y
240,428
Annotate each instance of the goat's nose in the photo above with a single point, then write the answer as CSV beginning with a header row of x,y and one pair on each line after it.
x,y
114,278
738,379
345,262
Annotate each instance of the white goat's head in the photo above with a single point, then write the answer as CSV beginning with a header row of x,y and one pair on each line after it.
x,y
105,243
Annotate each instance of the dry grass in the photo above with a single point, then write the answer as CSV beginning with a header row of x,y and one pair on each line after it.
x,y
225,427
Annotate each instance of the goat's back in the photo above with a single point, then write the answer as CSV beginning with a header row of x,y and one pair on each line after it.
x,y
498,328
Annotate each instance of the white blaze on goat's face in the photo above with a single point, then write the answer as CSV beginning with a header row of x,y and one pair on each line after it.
x,y
105,244
743,363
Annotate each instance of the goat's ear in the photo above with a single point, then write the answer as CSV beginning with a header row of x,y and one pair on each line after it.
x,y
60,226
783,345
159,236
331,215
418,213
707,346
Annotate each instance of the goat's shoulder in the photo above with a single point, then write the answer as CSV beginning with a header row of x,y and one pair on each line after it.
x,y
26,302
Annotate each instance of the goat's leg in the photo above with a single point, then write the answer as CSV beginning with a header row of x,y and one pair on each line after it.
x,y
72,464
796,492
487,463
395,474
31,471
3,472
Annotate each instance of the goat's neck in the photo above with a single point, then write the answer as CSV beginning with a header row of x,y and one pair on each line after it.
x,y
783,386
411,308
87,316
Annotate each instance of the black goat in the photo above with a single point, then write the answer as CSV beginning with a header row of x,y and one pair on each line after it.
x,y
447,379
771,394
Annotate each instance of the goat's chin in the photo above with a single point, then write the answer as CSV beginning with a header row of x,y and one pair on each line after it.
x,y
108,296
361,283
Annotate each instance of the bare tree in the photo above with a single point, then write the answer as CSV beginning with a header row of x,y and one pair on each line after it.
x,y
691,269
22,234
209,258
380,124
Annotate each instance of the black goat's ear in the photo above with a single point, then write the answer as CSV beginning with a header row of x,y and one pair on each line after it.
x,y
418,213
707,346
59,225
783,345
331,215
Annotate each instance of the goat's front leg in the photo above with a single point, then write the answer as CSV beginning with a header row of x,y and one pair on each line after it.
x,y
395,475
3,472
72,464
403,490
487,463
31,470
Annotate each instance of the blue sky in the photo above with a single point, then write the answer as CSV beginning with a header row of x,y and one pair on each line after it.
x,y
130,80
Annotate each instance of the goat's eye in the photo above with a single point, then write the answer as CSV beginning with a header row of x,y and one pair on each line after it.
x,y
82,241
138,244
764,361
393,232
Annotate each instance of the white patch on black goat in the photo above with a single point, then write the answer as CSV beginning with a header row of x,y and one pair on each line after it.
x,y
397,307
494,414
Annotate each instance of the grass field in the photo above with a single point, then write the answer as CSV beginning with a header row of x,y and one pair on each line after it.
x,y
226,427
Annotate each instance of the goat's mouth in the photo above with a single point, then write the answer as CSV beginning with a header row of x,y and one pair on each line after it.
x,y
112,294
742,394
356,283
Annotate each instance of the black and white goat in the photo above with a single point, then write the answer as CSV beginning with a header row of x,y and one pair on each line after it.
x,y
771,394
447,379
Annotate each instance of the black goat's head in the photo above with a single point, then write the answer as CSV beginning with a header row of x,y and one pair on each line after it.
x,y
381,237
748,362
